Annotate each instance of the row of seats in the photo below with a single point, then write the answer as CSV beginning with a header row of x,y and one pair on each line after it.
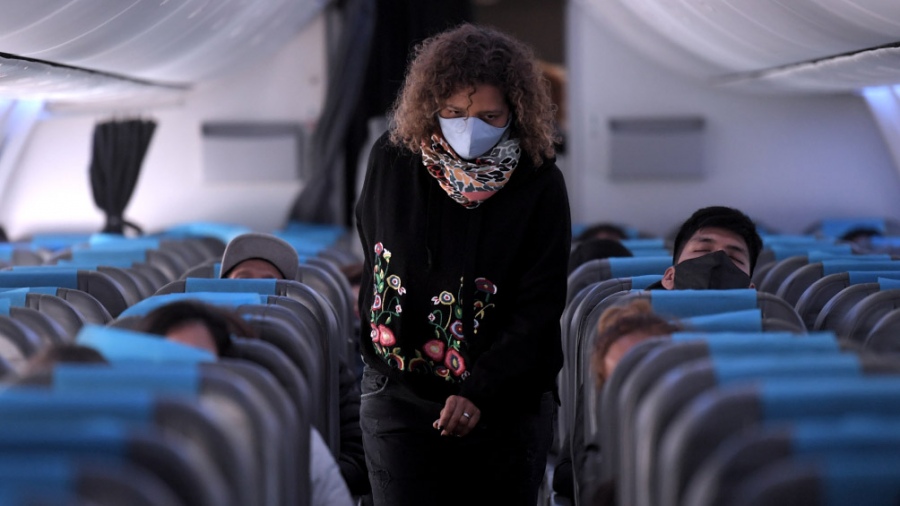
x,y
720,414
168,424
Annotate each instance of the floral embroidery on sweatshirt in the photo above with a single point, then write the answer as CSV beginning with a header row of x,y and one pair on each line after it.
x,y
444,354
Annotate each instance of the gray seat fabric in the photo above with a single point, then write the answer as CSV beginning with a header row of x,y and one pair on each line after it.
x,y
675,387
885,335
48,330
18,342
601,269
793,287
309,306
66,314
719,480
295,431
779,272
716,415
839,305
864,315
86,304
182,436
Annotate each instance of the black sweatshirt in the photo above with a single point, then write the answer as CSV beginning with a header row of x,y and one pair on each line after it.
x,y
506,260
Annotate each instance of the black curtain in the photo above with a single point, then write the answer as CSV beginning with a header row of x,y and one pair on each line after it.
x,y
371,61
346,74
118,152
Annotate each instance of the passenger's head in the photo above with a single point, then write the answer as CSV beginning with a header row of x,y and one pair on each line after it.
x,y
449,68
717,247
593,249
860,234
621,328
196,324
603,231
259,256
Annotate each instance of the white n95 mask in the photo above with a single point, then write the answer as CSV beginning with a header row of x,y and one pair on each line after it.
x,y
470,137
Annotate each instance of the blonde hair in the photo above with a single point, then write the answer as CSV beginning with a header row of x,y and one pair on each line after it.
x,y
619,321
461,58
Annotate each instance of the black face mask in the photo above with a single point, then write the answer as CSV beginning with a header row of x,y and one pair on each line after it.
x,y
713,271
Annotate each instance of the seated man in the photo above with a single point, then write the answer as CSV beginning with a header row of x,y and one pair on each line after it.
x,y
259,256
716,248
264,256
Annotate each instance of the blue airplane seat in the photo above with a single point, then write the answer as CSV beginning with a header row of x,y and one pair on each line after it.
x,y
729,472
793,286
679,385
101,286
716,415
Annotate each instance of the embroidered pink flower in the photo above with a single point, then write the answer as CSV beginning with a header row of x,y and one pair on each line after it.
x,y
457,329
442,371
484,285
379,248
435,350
374,334
386,336
455,362
376,304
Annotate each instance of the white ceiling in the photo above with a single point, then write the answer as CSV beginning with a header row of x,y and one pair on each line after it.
x,y
805,45
154,45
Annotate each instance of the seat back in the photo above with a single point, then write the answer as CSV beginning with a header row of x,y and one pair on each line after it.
x,y
101,286
622,406
576,316
180,422
732,465
601,269
676,388
864,315
305,302
792,288
715,415
821,291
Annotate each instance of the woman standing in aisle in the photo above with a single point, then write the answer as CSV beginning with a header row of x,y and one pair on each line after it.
x,y
464,220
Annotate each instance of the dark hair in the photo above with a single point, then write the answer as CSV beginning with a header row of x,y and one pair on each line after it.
x,y
221,323
596,248
618,321
602,228
860,233
459,59
726,218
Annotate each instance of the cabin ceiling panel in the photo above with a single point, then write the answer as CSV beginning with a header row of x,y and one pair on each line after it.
x,y
154,40
739,40
750,35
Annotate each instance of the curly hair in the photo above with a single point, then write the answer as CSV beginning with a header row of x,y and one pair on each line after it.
x,y
617,322
461,58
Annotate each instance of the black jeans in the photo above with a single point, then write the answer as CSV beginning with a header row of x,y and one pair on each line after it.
x,y
501,462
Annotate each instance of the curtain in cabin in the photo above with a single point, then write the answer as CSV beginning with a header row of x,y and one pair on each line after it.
x,y
317,202
118,153
372,56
